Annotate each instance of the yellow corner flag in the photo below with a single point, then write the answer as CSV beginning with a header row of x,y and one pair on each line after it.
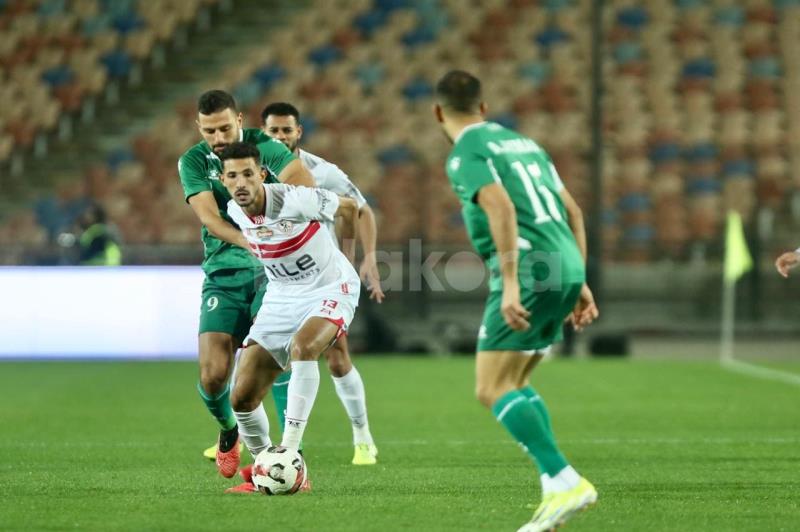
x,y
737,256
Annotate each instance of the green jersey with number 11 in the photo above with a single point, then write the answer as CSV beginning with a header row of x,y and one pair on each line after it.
x,y
487,153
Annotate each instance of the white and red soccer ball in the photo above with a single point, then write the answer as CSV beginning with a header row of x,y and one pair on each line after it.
x,y
279,471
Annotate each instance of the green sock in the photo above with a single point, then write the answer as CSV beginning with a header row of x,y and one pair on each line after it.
x,y
219,406
280,393
518,415
537,401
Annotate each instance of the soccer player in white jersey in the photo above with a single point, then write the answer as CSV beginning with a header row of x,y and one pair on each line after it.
x,y
310,299
281,122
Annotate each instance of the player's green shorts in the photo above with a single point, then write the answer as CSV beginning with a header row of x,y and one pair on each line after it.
x,y
548,310
231,299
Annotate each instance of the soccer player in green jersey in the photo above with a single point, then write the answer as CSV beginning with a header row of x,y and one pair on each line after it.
x,y
529,230
234,282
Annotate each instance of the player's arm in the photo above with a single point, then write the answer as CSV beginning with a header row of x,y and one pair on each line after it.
x,y
586,310
296,174
348,212
575,220
283,163
499,209
205,208
787,261
198,193
368,236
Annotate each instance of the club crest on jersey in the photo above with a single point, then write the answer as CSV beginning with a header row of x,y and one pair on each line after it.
x,y
285,226
213,174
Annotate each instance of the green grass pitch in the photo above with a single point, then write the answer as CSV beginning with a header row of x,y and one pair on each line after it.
x,y
669,445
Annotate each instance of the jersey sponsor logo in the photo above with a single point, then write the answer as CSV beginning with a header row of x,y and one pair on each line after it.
x,y
262,233
296,270
213,174
455,164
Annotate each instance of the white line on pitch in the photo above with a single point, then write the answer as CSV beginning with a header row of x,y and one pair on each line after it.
x,y
761,372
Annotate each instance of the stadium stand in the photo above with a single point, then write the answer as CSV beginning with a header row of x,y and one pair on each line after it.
x,y
703,107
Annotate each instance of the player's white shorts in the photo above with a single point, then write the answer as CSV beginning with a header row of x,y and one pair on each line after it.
x,y
281,316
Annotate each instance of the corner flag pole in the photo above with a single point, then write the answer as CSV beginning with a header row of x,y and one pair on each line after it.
x,y
737,263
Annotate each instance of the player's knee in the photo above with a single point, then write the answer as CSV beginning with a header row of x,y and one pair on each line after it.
x,y
486,395
302,350
339,362
213,378
240,402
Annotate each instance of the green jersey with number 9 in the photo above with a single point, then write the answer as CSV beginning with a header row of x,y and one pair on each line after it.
x,y
486,153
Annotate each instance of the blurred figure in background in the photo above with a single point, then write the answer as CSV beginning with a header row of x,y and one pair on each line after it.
x,y
98,244
93,242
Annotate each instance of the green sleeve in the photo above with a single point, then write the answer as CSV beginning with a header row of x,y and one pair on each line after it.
x,y
275,156
193,175
470,172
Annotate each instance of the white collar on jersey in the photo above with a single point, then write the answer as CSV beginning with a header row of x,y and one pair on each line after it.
x,y
469,128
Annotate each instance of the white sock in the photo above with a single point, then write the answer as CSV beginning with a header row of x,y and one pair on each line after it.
x,y
303,386
566,479
254,429
350,390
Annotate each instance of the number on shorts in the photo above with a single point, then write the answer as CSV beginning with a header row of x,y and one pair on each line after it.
x,y
212,303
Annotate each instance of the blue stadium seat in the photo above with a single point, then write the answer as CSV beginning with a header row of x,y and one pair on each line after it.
x,y
418,89
730,16
94,25
662,152
626,52
247,92
634,202
58,75
702,152
764,68
370,74
268,74
324,55
119,156
550,36
632,17
419,36
118,63
702,185
639,234
387,6
367,23
117,8
738,167
536,71
396,154
699,68
52,8
557,5
127,22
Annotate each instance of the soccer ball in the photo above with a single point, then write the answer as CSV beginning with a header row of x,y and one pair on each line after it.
x,y
279,471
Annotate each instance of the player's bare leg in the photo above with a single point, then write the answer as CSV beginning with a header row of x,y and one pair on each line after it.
x,y
350,389
255,374
499,375
216,363
313,337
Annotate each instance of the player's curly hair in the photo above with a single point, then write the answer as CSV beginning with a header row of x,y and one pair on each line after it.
x,y
240,150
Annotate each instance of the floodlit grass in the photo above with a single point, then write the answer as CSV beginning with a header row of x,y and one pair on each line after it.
x,y
669,446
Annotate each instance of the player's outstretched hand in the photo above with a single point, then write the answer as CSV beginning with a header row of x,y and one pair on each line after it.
x,y
371,277
514,313
585,311
786,262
